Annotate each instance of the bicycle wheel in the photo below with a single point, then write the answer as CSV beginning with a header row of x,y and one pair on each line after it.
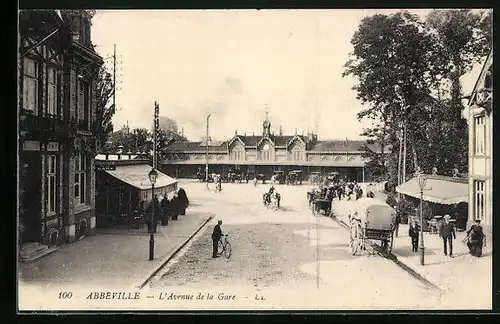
x,y
227,250
220,248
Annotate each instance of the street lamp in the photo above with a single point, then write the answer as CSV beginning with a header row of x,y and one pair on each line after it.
x,y
422,181
152,178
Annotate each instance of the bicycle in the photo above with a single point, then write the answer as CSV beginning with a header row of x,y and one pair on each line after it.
x,y
224,247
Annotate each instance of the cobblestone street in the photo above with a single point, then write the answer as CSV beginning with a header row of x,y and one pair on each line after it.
x,y
274,251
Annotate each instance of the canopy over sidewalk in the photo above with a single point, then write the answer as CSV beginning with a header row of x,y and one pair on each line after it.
x,y
137,176
438,189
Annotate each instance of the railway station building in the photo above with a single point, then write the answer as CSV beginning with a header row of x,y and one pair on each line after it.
x,y
266,153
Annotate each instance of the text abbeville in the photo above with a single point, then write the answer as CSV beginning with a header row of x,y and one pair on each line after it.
x,y
113,295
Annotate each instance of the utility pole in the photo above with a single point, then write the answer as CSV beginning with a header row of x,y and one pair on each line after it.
x,y
206,153
114,76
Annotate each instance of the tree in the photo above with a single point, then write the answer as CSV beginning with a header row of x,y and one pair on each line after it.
x,y
464,38
102,126
389,51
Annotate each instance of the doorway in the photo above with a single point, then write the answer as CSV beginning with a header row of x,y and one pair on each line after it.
x,y
30,187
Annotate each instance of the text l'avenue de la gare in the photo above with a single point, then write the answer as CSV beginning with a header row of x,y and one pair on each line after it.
x,y
165,296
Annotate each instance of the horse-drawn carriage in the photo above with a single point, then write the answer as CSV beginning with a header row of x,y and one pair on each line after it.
x,y
294,177
320,200
278,177
373,220
271,199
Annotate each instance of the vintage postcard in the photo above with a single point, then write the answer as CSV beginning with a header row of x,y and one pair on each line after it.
x,y
255,160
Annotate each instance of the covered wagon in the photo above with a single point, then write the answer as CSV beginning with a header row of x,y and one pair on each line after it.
x,y
371,219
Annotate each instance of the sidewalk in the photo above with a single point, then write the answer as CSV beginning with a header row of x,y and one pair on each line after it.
x,y
112,257
464,275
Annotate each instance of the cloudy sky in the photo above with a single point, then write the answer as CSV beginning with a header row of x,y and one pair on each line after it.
x,y
232,64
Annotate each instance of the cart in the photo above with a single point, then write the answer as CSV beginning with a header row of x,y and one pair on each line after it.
x,y
322,206
373,220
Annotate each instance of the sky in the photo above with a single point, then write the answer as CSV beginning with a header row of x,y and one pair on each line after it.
x,y
234,64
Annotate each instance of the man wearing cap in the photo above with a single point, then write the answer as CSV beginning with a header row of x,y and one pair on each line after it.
x,y
216,235
447,232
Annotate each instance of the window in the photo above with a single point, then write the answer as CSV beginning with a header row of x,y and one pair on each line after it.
x,y
297,155
80,173
265,155
30,85
51,185
82,111
237,155
52,91
479,197
479,135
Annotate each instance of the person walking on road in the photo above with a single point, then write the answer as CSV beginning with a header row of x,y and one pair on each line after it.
x,y
413,234
447,232
476,239
216,235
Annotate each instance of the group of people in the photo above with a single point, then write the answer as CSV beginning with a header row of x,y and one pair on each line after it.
x,y
475,238
164,208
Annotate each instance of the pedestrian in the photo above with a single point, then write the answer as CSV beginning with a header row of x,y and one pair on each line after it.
x,y
397,222
476,239
216,235
413,234
447,232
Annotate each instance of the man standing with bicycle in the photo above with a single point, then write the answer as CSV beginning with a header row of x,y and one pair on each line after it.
x,y
216,235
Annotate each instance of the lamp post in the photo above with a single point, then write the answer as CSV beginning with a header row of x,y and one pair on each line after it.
x,y
422,180
206,154
152,178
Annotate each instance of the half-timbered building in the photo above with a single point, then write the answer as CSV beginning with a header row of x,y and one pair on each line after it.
x,y
57,74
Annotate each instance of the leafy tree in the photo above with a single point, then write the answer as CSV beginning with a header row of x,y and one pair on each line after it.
x,y
464,38
390,51
102,126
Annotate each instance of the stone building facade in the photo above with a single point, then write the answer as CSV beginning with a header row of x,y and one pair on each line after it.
x,y
57,80
266,153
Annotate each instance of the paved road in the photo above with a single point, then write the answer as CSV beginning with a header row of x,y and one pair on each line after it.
x,y
291,251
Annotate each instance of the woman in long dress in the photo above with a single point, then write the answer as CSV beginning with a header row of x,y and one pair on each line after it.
x,y
476,239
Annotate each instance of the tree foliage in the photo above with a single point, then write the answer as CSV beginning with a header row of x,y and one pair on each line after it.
x,y
141,139
102,126
403,66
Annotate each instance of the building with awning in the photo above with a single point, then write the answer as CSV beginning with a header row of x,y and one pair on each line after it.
x,y
442,195
439,190
121,187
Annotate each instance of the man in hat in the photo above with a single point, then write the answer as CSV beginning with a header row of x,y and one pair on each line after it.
x,y
216,235
447,232
475,238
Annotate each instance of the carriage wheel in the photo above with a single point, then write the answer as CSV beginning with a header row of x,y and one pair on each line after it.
x,y
313,208
354,238
227,251
220,248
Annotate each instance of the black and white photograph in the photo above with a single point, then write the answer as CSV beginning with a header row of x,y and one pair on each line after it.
x,y
277,159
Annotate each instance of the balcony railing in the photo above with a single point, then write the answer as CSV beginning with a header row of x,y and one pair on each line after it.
x,y
39,127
